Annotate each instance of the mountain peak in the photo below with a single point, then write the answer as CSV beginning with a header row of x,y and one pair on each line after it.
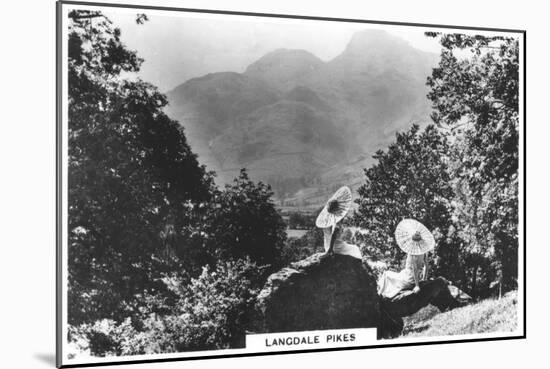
x,y
287,56
364,42
285,67
299,123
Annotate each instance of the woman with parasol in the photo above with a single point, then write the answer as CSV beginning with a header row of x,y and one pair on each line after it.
x,y
416,240
333,212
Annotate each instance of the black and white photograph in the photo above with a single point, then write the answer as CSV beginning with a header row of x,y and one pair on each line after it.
x,y
237,183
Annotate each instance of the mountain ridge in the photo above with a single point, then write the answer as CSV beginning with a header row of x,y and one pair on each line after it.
x,y
319,116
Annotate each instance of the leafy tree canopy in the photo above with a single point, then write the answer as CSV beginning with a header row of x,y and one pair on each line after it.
x,y
410,180
130,171
474,92
242,222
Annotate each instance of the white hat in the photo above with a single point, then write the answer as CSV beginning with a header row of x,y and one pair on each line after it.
x,y
413,238
335,209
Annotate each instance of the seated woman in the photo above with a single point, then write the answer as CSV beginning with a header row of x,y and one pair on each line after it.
x,y
416,240
333,212
334,244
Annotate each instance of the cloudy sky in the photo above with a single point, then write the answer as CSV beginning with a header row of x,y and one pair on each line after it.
x,y
180,46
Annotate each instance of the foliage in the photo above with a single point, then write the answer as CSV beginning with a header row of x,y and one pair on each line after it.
x,y
140,205
212,312
105,337
410,180
459,177
130,173
476,102
477,99
297,220
242,221
217,307
300,248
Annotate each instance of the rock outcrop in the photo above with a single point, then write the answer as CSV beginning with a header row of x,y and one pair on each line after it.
x,y
339,291
438,292
319,292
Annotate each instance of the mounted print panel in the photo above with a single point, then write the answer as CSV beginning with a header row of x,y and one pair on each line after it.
x,y
235,184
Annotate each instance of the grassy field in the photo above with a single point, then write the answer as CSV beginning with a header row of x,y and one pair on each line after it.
x,y
491,315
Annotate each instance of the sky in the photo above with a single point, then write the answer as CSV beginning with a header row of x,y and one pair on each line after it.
x,y
179,46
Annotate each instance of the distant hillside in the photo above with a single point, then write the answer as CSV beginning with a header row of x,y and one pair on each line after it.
x,y
304,125
490,315
285,69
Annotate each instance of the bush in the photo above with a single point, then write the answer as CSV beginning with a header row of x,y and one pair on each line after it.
x,y
300,248
217,307
106,337
212,312
241,221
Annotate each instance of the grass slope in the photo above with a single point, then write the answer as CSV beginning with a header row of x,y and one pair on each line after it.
x,y
490,315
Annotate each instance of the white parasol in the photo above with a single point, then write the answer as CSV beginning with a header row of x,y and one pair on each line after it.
x,y
413,237
335,209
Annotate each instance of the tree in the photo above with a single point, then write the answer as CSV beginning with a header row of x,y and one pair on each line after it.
x,y
297,249
297,220
474,91
410,180
130,173
242,221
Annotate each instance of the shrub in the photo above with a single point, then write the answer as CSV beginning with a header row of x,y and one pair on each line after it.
x,y
242,221
212,312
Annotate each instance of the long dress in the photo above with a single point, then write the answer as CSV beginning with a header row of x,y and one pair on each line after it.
x,y
391,283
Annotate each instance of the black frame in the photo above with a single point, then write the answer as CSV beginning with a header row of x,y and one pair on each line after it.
x,y
59,271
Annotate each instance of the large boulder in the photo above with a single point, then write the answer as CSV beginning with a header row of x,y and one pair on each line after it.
x,y
319,292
